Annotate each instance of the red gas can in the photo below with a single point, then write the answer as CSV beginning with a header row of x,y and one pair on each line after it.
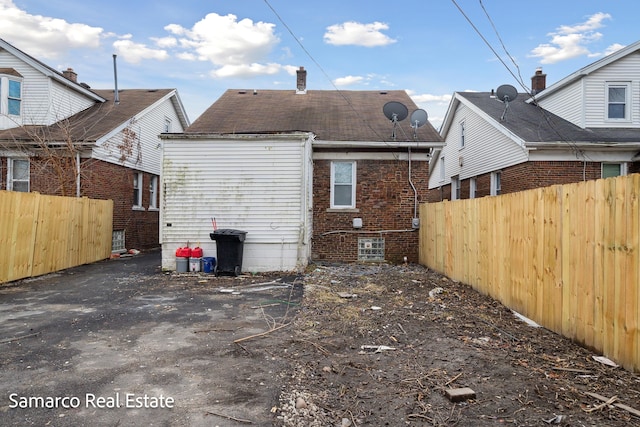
x,y
183,252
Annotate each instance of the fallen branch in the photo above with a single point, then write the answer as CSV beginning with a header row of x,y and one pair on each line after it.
x,y
602,405
320,348
229,417
261,334
453,379
8,340
266,305
617,405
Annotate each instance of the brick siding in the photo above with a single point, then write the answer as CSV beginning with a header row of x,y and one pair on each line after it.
x,y
529,175
384,201
103,180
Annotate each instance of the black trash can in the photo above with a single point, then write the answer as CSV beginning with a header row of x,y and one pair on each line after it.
x,y
230,245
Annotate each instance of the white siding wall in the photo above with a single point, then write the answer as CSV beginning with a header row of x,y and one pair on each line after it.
x,y
486,149
622,71
39,96
584,102
65,102
567,103
261,185
147,151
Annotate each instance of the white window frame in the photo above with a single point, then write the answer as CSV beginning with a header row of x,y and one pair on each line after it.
x,y
167,125
138,180
622,165
473,187
353,186
153,193
10,177
17,99
442,170
496,183
627,104
455,187
462,134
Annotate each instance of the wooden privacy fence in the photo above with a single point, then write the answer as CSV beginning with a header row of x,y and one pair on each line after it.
x,y
40,234
565,256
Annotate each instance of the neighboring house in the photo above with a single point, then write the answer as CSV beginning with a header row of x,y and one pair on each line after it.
x,y
307,174
585,126
60,137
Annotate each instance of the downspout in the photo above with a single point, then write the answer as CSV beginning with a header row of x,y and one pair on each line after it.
x,y
415,192
78,174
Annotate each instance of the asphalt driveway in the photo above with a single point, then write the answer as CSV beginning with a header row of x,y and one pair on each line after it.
x,y
120,343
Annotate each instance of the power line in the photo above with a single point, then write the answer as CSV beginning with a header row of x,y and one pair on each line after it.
x,y
340,92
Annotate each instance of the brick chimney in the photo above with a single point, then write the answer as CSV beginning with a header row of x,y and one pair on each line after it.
x,y
70,75
301,81
538,82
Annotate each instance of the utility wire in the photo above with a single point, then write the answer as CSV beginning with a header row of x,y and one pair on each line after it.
x,y
578,151
340,92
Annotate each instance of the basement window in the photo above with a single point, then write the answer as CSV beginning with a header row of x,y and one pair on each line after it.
x,y
370,249
117,241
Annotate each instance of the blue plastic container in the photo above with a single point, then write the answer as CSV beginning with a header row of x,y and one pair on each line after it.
x,y
208,264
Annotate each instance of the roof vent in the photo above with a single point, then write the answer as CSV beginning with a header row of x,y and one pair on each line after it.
x,y
383,92
242,92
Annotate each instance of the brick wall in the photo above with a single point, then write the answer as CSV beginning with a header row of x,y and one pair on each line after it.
x,y
529,175
384,201
102,180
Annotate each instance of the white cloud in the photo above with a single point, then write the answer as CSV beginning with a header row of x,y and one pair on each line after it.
x,y
570,41
43,36
613,48
355,33
135,52
435,106
246,70
237,48
348,80
165,42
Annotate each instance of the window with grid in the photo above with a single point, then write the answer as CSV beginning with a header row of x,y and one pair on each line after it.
x,y
617,101
18,175
343,185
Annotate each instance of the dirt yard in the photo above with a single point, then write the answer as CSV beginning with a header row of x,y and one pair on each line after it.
x,y
380,345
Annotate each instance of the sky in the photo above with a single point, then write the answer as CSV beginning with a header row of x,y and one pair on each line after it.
x,y
430,48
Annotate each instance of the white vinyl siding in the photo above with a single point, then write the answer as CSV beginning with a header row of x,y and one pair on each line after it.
x,y
486,149
584,102
258,184
567,103
44,101
143,132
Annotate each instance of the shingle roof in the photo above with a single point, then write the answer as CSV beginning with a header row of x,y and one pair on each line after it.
x,y
330,115
533,124
90,125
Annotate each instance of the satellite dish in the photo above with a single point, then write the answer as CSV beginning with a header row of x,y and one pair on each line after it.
x,y
396,112
506,93
418,118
